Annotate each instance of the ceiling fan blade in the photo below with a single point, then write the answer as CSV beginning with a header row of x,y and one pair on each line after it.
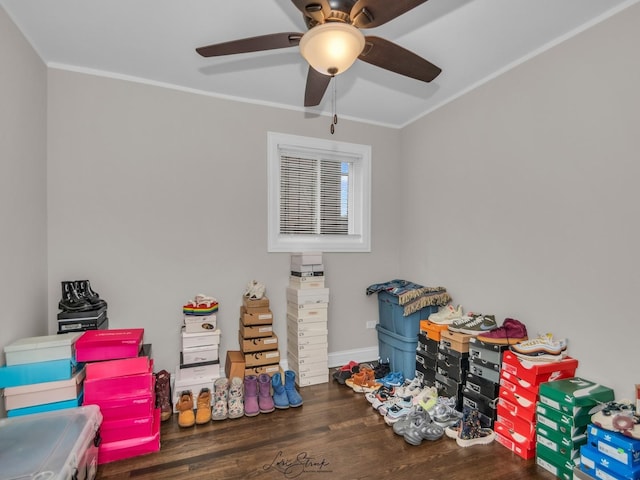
x,y
385,54
252,44
373,13
316,10
317,84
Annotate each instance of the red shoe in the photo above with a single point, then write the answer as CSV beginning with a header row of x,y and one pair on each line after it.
x,y
511,332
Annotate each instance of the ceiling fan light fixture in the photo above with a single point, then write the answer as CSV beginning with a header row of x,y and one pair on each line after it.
x,y
332,47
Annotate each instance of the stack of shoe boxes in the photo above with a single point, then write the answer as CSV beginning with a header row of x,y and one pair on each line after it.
x,y
199,361
121,383
307,317
609,454
81,308
515,424
42,374
258,342
427,352
562,412
452,364
483,379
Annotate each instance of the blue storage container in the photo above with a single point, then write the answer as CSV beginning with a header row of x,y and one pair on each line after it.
x,y
393,320
400,350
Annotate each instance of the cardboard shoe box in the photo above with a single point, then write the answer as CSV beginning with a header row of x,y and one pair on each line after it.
x,y
574,395
256,305
256,318
455,340
257,359
255,331
234,364
257,344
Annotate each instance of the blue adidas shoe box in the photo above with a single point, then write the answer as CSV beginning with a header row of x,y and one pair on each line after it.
x,y
39,372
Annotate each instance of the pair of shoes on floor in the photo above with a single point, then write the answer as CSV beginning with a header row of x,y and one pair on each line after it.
x,y
416,426
544,348
228,398
618,417
186,415
285,394
364,381
342,374
392,379
474,324
469,431
446,315
511,332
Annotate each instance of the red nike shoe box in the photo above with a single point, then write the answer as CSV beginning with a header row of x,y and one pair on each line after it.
x,y
517,405
535,373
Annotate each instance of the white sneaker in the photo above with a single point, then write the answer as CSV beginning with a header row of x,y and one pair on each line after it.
x,y
255,290
541,349
446,315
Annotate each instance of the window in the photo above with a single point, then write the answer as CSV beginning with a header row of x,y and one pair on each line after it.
x,y
319,195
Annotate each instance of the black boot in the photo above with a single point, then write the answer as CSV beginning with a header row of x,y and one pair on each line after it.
x,y
84,290
71,301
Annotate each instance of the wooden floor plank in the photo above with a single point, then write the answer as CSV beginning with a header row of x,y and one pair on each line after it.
x,y
335,434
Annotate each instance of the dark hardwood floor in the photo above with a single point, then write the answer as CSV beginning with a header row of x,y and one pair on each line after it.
x,y
335,434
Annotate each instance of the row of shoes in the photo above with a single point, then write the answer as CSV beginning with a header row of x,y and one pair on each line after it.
x,y
512,332
361,377
237,397
78,296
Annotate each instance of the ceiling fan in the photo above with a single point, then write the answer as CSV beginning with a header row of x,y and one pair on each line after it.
x,y
334,41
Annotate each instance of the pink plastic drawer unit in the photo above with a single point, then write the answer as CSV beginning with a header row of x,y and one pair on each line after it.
x,y
118,368
125,407
96,345
126,428
132,447
43,393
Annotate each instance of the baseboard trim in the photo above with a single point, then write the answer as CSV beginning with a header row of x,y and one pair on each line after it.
x,y
337,359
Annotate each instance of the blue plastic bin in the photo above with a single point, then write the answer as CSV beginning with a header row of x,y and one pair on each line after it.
x,y
400,350
392,319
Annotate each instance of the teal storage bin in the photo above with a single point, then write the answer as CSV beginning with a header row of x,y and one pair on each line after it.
x,y
392,319
400,350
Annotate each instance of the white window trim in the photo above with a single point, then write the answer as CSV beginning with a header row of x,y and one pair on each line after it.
x,y
357,242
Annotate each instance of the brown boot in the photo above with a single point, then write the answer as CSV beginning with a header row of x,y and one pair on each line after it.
x,y
186,417
203,408
163,394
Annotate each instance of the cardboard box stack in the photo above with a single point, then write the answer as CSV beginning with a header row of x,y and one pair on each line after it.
x,y
307,317
42,374
609,454
515,424
453,350
122,384
562,418
482,381
199,365
258,342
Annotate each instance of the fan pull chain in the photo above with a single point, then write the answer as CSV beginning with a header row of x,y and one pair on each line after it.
x,y
333,107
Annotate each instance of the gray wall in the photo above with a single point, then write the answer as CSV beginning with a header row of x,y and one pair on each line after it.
x,y
156,195
522,202
23,189
529,191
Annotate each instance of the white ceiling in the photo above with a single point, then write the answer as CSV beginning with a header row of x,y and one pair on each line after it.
x,y
154,40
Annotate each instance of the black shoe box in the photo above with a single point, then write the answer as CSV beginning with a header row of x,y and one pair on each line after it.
x,y
485,369
452,366
426,344
482,386
86,315
448,387
486,406
489,352
427,376
81,325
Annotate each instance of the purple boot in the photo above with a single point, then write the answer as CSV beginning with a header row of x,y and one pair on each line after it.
x,y
265,400
251,408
